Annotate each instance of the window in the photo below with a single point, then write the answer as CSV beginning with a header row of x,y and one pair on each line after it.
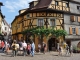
x,y
40,22
28,15
52,22
56,2
78,19
73,30
67,4
5,28
4,23
78,7
72,18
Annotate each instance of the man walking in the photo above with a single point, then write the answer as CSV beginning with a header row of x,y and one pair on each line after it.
x,y
32,48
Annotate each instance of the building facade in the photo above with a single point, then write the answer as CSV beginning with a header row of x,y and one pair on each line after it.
x,y
1,18
49,13
6,30
72,23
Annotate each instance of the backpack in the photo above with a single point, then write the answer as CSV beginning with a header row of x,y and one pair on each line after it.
x,y
13,47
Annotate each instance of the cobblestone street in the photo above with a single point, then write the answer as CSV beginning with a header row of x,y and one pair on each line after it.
x,y
41,56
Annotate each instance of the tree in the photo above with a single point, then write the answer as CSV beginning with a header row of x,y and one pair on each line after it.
x,y
41,31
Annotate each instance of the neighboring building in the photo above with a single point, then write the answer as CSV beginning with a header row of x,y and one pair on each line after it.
x,y
49,13
1,18
1,15
5,29
72,23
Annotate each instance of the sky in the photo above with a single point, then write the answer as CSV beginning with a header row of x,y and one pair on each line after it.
x,y
11,8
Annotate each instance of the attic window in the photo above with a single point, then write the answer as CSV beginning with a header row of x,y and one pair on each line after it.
x,y
56,2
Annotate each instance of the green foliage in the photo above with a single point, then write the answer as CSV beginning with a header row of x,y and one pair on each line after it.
x,y
29,30
46,31
59,33
53,31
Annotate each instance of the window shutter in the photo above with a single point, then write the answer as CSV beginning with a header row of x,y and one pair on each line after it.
x,y
77,30
70,30
72,18
78,18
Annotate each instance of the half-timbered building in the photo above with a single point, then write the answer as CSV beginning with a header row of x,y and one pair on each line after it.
x,y
63,14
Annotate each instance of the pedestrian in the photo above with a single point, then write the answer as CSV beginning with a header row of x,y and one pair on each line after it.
x,y
28,48
17,47
67,49
44,47
32,48
7,47
14,48
58,47
20,46
24,45
60,50
71,50
39,47
2,45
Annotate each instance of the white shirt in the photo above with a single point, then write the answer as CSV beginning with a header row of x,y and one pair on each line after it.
x,y
24,44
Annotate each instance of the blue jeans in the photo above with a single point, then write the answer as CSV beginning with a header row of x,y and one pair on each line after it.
x,y
32,53
3,49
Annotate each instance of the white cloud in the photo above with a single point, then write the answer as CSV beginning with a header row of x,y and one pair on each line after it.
x,y
14,5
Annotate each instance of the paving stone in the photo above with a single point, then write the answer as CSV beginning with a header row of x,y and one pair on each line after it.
x,y
40,56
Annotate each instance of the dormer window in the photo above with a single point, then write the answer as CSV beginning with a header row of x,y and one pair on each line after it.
x,y
32,4
67,4
56,2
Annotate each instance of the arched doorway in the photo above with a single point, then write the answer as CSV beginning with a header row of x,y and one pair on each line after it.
x,y
68,42
78,45
52,44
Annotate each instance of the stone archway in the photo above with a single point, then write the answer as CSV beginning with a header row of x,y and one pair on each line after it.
x,y
78,45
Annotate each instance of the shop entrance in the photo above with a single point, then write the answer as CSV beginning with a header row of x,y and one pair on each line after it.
x,y
52,44
68,42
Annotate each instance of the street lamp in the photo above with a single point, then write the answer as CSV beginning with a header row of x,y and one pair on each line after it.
x,y
1,4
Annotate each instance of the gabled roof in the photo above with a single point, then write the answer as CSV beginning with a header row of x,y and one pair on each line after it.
x,y
42,4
